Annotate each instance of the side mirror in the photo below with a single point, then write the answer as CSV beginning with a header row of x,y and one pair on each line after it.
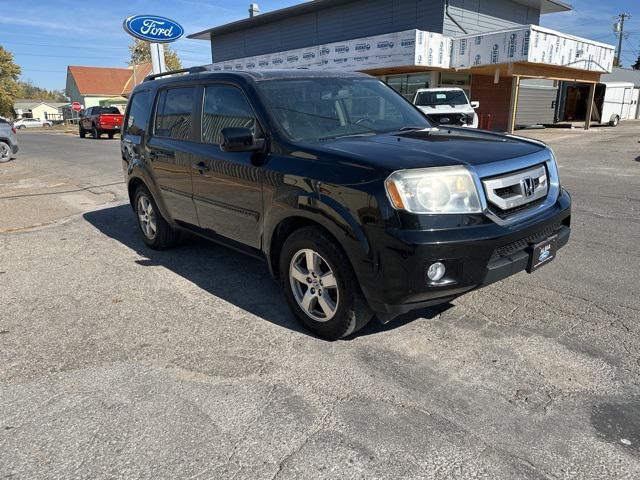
x,y
475,105
239,140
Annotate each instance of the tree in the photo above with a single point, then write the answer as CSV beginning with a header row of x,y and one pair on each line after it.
x,y
141,53
636,66
30,91
9,87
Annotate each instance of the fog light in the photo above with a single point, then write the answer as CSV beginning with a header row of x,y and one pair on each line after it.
x,y
436,272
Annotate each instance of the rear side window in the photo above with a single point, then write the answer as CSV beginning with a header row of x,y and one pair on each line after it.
x,y
174,113
224,107
138,115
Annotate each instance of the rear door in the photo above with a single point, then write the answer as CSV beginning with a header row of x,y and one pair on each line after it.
x,y
626,107
170,148
85,119
227,186
135,127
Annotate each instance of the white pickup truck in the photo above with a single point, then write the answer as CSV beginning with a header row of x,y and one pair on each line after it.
x,y
447,106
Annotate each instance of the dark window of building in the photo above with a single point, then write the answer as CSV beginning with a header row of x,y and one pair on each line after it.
x,y
174,113
225,107
408,85
138,115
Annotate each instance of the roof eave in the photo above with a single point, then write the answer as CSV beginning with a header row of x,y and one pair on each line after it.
x,y
554,6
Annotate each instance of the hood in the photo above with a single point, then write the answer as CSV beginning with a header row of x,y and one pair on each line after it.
x,y
427,148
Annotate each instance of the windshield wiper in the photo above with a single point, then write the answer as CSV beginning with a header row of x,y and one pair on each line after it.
x,y
334,137
411,129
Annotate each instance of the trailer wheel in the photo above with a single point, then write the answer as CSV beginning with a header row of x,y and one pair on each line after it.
x,y
614,121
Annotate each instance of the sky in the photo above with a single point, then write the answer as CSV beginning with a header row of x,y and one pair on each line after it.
x,y
46,36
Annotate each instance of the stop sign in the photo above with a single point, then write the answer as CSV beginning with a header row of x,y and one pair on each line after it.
x,y
76,107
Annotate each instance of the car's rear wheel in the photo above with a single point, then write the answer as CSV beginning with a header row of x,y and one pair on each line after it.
x,y
614,121
320,285
156,232
110,136
5,152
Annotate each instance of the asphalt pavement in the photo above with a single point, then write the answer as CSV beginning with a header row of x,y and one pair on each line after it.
x,y
120,362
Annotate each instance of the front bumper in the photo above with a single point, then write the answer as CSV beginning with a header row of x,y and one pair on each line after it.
x,y
474,256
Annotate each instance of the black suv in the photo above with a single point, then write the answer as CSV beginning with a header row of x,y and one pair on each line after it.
x,y
358,204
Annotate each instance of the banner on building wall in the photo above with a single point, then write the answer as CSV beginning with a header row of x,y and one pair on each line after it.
x,y
427,49
531,44
408,48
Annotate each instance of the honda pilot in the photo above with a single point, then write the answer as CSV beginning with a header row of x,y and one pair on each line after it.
x,y
359,205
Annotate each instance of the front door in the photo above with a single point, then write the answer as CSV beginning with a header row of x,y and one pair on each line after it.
x,y
227,186
170,151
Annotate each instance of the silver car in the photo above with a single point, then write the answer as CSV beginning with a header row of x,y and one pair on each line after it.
x,y
32,123
8,141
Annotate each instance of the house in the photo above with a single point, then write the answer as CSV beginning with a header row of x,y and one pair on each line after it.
x,y
41,109
494,49
95,86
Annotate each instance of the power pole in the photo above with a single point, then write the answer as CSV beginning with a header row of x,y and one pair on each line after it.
x,y
619,27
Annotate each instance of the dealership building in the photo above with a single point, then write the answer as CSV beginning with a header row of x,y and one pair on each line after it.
x,y
493,49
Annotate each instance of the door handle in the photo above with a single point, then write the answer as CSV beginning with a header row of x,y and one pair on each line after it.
x,y
201,167
157,153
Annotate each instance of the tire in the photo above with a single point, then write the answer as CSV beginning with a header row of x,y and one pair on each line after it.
x,y
5,152
110,136
615,121
82,131
343,310
145,206
21,127
95,133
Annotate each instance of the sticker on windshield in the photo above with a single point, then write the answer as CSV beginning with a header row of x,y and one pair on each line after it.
x,y
441,96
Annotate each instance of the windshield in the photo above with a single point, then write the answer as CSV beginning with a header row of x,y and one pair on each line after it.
x,y
448,97
327,108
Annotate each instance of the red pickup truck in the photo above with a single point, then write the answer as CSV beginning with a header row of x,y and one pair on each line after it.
x,y
99,120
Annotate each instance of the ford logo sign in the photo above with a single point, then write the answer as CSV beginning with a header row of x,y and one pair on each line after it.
x,y
544,255
153,29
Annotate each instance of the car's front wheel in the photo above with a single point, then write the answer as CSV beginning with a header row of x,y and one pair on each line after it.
x,y
156,232
95,133
320,285
82,131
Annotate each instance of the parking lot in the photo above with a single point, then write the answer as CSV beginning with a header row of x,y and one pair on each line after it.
x,y
117,361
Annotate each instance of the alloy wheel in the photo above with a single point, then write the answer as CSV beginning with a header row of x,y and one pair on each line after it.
x,y
147,217
5,152
314,285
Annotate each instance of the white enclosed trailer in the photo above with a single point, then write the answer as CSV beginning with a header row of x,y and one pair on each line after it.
x,y
618,102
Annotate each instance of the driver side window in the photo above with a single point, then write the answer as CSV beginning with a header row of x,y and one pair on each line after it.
x,y
224,107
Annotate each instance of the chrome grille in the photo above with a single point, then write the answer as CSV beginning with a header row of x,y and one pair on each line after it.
x,y
515,191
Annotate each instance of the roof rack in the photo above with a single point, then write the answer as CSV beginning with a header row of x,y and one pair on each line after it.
x,y
153,76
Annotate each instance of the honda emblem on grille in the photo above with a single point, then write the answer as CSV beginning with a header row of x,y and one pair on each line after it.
x,y
528,186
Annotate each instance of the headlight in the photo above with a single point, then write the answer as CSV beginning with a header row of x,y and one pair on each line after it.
x,y
554,163
434,190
